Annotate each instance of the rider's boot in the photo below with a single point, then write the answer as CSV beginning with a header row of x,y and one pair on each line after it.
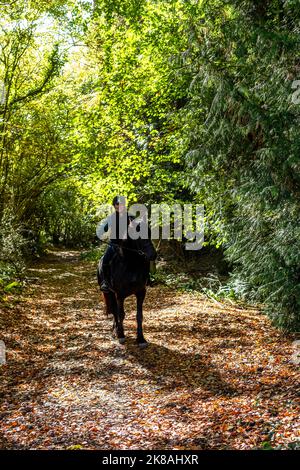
x,y
104,284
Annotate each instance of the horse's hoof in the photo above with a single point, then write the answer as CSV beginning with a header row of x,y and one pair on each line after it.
x,y
143,345
121,340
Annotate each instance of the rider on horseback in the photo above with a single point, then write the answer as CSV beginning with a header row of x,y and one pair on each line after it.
x,y
117,223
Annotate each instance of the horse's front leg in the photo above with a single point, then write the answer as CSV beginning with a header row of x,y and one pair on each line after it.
x,y
140,296
108,302
120,319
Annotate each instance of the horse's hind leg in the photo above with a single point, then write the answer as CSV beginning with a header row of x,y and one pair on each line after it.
x,y
119,320
140,296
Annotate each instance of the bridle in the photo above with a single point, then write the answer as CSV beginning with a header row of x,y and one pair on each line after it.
x,y
139,252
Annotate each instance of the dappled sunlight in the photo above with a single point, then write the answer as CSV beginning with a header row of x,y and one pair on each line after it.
x,y
42,270
211,375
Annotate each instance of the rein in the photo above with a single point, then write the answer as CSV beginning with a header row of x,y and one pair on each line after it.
x,y
139,252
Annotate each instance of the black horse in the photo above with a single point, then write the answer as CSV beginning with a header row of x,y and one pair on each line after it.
x,y
129,273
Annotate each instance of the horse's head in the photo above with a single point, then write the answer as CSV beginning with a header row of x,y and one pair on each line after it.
x,y
146,246
140,247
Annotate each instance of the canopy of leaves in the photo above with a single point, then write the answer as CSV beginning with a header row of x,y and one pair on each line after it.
x,y
178,100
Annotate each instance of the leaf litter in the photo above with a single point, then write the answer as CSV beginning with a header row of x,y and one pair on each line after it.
x,y
213,377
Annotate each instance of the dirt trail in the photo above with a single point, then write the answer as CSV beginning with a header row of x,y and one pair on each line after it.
x,y
215,376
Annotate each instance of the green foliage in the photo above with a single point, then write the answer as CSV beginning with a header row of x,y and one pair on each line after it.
x,y
174,101
12,286
93,254
266,445
125,131
11,241
65,215
11,254
242,143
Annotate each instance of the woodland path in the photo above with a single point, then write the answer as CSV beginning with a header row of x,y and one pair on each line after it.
x,y
215,376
